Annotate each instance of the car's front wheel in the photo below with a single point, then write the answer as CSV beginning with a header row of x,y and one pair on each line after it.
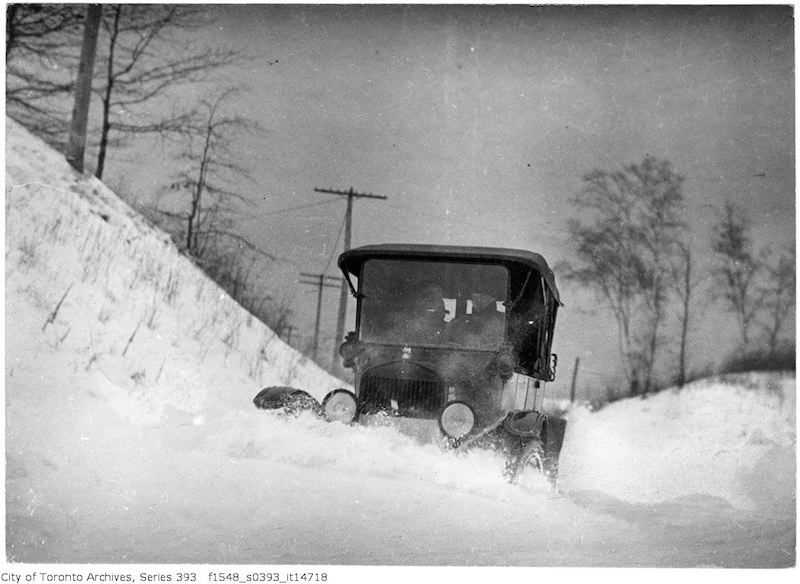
x,y
532,459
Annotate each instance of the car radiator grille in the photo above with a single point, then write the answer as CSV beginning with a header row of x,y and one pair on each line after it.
x,y
418,398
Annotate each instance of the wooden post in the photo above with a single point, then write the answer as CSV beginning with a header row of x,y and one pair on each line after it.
x,y
574,379
83,89
320,281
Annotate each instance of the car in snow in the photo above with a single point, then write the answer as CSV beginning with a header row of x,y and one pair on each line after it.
x,y
454,339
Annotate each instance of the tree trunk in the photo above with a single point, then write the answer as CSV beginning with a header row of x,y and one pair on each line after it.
x,y
193,231
106,125
687,296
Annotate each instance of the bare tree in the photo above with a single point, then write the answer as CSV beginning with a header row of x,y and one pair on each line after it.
x,y
625,254
210,168
42,51
738,268
778,293
144,62
204,219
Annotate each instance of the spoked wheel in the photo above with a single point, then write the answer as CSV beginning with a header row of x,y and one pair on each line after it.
x,y
528,459
551,465
531,460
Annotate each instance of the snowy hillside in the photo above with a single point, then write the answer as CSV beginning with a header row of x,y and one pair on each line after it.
x,y
138,312
131,436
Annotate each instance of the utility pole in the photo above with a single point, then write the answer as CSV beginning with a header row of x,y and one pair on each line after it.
x,y
348,219
318,280
83,88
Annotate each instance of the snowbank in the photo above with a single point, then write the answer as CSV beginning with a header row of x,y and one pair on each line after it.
x,y
732,437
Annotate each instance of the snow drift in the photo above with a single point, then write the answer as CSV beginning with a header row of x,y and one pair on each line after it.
x,y
131,436
732,438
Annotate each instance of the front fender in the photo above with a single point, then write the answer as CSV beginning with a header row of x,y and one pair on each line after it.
x,y
525,424
510,432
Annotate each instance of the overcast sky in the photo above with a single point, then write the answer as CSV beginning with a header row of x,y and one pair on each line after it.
x,y
477,123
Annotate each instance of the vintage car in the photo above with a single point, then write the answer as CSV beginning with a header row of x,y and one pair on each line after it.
x,y
457,339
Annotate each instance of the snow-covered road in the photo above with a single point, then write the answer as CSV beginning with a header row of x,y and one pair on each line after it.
x,y
234,485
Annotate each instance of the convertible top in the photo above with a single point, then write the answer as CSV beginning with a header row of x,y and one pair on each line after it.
x,y
352,260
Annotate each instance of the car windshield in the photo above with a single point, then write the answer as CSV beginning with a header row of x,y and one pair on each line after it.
x,y
433,303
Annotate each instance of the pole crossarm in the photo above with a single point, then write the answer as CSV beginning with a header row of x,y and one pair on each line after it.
x,y
350,193
317,278
320,281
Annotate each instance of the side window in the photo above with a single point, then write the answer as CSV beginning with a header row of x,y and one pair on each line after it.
x,y
499,306
528,322
450,309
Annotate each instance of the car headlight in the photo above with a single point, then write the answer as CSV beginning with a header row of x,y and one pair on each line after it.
x,y
351,349
340,405
457,419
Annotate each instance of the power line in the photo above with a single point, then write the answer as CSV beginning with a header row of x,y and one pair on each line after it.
x,y
288,210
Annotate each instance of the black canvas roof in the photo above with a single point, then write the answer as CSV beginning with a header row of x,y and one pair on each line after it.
x,y
351,260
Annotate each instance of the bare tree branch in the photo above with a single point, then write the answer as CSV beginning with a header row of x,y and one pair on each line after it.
x,y
778,294
140,71
738,268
